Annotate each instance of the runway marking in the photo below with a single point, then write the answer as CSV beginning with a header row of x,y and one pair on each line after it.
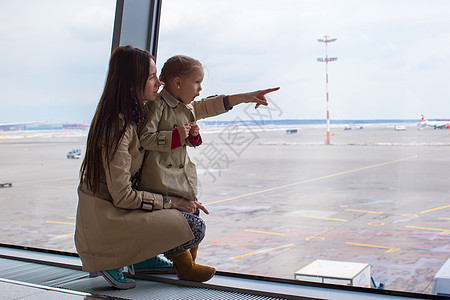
x,y
434,209
442,218
410,215
444,231
262,251
227,237
64,235
330,219
390,249
56,222
265,232
375,223
314,179
64,223
314,238
366,211
70,218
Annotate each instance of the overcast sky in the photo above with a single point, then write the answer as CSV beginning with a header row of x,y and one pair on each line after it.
x,y
393,56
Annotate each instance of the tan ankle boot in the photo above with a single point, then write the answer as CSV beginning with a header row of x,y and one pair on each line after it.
x,y
187,269
194,252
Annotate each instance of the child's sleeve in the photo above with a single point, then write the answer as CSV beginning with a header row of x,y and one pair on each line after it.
x,y
150,137
209,107
194,141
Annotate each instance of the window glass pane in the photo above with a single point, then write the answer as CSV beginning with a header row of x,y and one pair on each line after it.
x,y
279,196
53,59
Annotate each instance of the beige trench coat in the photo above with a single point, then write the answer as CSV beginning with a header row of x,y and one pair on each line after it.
x,y
112,230
166,171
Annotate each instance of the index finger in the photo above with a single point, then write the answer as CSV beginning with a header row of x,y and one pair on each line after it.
x,y
266,91
200,206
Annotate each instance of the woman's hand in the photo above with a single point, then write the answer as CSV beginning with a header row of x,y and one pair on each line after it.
x,y
257,97
186,205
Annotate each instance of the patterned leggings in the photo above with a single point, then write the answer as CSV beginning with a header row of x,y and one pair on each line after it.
x,y
198,229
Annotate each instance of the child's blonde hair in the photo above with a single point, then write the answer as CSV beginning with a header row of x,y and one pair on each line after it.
x,y
177,66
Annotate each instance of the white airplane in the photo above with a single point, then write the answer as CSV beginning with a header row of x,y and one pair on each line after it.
x,y
434,124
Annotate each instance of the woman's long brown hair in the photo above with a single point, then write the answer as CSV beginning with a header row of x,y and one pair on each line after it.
x,y
122,98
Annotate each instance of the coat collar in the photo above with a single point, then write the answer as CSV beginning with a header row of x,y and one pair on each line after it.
x,y
169,99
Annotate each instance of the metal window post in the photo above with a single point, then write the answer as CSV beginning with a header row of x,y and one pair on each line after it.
x,y
137,23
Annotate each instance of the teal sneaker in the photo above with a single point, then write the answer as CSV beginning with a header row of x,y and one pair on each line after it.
x,y
157,264
116,279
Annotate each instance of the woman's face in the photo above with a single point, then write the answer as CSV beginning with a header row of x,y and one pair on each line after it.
x,y
152,85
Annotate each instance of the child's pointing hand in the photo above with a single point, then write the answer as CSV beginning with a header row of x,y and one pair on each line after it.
x,y
257,97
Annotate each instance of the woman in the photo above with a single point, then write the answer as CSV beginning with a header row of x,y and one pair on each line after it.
x,y
118,225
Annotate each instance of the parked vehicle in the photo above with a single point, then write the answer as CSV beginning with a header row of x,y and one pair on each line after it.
x,y
74,154
291,131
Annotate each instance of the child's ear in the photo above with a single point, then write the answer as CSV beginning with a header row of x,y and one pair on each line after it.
x,y
177,82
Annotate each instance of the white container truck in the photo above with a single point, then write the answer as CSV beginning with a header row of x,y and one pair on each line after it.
x,y
336,272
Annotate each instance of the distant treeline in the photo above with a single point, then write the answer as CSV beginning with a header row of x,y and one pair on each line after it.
x,y
40,126
59,126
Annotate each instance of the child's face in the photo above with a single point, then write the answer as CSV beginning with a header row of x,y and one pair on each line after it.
x,y
191,85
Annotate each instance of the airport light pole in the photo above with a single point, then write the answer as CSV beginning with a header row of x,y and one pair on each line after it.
x,y
327,40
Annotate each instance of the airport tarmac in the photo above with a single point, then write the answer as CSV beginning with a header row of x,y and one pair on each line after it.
x,y
277,201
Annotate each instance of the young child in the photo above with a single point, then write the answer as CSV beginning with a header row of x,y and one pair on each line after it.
x,y
171,126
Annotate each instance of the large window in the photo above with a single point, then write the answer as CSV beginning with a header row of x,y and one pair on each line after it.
x,y
279,196
53,61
